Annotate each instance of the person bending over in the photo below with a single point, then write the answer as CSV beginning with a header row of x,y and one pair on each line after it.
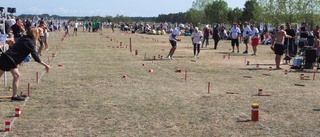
x,y
16,54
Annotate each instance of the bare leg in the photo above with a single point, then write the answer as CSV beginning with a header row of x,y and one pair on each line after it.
x,y
16,77
46,43
254,49
1,73
40,50
278,59
172,50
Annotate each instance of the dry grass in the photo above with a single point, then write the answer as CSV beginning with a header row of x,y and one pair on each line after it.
x,y
89,97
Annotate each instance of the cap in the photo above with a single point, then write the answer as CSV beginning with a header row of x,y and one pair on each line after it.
x,y
196,28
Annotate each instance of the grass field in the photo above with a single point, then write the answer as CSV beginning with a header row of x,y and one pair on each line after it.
x,y
87,96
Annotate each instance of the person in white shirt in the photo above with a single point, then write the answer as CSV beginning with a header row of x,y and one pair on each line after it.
x,y
75,28
173,40
235,34
255,39
11,21
165,26
196,38
246,36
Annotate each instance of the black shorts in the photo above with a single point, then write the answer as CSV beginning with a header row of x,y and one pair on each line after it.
x,y
6,63
246,41
173,43
235,42
75,29
278,49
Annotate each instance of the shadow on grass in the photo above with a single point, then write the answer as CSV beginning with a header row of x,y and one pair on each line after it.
x,y
5,100
10,116
316,109
243,121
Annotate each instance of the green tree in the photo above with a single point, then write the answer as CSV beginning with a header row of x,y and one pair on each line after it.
x,y
252,11
200,4
194,16
217,11
234,15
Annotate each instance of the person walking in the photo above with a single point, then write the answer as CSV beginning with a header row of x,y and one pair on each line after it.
x,y
206,33
173,38
196,38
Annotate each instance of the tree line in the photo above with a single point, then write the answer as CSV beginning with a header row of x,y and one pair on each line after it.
x,y
275,12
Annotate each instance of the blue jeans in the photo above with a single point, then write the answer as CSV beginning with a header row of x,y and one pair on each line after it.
x,y
205,38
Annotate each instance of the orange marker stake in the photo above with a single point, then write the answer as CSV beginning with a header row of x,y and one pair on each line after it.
x,y
37,77
28,89
209,87
186,75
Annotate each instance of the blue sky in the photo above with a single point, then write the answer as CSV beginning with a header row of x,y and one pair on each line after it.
x,y
144,8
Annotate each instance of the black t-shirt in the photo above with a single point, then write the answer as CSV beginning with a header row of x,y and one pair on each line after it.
x,y
16,30
303,35
291,33
215,32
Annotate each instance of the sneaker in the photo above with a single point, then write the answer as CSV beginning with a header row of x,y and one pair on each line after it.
x,y
253,54
245,52
195,56
238,51
168,57
232,51
171,58
17,98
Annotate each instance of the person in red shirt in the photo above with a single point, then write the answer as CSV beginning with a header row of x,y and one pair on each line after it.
x,y
206,33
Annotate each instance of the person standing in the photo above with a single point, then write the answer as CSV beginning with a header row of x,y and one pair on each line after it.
x,y
303,35
289,42
235,34
112,26
278,45
255,39
46,36
216,36
17,29
16,54
75,28
41,29
206,33
246,36
196,38
173,38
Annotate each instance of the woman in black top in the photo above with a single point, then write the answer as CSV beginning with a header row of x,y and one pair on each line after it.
x,y
16,54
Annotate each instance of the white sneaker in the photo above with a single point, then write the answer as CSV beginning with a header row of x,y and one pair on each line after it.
x,y
168,57
172,58
195,56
